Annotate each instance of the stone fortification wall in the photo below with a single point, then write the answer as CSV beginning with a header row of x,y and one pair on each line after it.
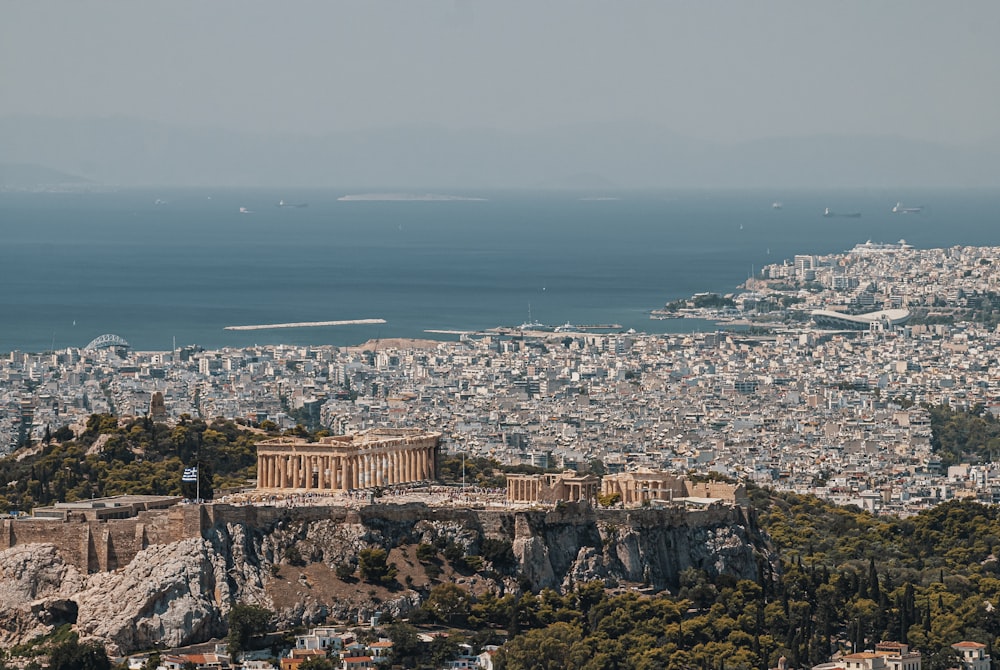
x,y
93,545
732,493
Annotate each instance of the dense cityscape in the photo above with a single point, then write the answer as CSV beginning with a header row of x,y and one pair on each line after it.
x,y
840,414
824,382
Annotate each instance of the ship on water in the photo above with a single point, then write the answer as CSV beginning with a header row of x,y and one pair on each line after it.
x,y
899,209
285,203
829,213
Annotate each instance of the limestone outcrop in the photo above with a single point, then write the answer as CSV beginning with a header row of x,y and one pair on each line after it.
x,y
180,593
35,590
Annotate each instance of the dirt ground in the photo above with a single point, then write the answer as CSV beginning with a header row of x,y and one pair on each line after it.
x,y
293,584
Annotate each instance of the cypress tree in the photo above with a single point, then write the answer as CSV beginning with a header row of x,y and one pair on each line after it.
x,y
874,592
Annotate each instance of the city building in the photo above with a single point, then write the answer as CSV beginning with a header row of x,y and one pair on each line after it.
x,y
973,655
885,319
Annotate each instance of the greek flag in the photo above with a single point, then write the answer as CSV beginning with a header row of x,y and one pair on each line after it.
x,y
190,474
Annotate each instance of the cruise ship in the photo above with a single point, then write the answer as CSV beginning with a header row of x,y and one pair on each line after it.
x,y
870,247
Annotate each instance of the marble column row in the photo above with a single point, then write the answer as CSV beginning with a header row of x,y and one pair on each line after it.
x,y
523,490
320,472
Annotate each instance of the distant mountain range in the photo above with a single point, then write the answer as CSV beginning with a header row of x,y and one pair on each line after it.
x,y
21,175
131,152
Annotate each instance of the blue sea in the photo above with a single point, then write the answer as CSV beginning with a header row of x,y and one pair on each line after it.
x,y
74,266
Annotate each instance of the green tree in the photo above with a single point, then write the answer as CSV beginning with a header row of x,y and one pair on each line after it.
x,y
557,647
245,621
499,552
407,649
449,603
426,552
608,499
373,567
293,556
71,655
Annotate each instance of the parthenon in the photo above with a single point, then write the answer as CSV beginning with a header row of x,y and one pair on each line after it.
x,y
372,458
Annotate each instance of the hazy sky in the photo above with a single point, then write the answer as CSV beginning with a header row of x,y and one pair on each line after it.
x,y
713,70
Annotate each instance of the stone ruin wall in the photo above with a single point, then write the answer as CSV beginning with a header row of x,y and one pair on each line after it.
x,y
96,546
731,493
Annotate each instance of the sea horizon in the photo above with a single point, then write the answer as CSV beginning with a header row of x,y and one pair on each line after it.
x,y
159,266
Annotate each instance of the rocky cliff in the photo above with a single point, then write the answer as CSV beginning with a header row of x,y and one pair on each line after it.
x,y
289,561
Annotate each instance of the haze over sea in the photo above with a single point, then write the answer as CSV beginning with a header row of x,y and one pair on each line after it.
x,y
76,265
